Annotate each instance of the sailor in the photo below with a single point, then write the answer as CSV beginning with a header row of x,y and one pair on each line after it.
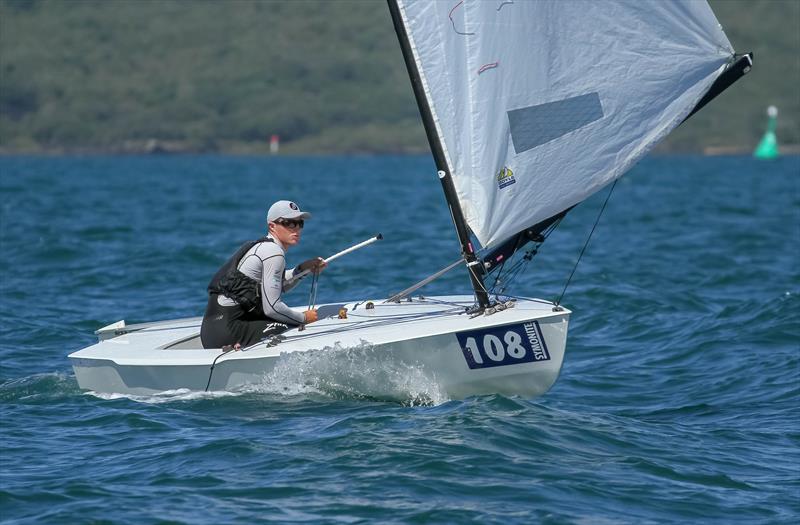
x,y
244,301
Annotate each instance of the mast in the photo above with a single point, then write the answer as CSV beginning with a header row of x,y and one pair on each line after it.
x,y
474,267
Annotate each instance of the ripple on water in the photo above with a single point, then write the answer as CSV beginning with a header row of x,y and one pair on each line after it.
x,y
677,402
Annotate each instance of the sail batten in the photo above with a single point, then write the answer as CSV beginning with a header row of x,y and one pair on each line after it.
x,y
539,104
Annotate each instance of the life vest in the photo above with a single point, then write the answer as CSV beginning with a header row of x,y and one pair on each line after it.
x,y
232,283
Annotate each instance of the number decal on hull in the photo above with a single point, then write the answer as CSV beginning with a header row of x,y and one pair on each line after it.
x,y
504,345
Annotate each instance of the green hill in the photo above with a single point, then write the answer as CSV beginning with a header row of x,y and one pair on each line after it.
x,y
327,76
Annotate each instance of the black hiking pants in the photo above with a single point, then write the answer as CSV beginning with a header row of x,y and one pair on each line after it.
x,y
228,325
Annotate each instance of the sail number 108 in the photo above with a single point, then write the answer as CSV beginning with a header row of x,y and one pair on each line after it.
x,y
505,345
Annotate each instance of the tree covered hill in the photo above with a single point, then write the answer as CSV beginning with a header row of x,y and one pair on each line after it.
x,y
327,76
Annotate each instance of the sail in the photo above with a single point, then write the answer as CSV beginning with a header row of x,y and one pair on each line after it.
x,y
539,104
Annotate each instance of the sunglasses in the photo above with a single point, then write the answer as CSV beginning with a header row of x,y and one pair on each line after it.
x,y
291,223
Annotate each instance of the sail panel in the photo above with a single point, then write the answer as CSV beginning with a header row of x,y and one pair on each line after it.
x,y
539,104
537,125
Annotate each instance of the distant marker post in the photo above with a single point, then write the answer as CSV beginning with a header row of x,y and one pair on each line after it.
x,y
768,147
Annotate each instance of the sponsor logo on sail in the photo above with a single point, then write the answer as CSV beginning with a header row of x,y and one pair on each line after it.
x,y
505,177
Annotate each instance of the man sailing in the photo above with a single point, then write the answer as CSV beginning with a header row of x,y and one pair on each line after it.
x,y
244,301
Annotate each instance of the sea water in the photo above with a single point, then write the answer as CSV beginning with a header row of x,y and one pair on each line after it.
x,y
678,401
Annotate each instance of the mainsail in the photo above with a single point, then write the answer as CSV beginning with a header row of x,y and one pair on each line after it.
x,y
539,104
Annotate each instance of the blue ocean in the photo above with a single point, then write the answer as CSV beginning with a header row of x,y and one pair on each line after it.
x,y
678,402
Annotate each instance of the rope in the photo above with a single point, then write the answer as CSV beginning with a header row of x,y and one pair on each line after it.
x,y
514,271
372,322
441,301
558,301
312,296
520,297
516,268
211,370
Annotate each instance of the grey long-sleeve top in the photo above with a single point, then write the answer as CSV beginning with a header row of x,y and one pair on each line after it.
x,y
266,262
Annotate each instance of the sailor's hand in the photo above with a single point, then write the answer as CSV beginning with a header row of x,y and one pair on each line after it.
x,y
311,316
314,265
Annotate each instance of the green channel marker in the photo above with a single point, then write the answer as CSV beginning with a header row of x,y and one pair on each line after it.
x,y
768,147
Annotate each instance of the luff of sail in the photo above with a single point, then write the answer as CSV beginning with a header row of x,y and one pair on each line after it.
x,y
539,104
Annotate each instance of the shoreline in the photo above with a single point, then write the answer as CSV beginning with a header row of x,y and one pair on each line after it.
x,y
170,148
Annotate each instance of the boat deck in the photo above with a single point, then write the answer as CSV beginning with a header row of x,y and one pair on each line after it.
x,y
177,342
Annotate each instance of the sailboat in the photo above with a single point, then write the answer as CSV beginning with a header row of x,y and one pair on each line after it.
x,y
529,109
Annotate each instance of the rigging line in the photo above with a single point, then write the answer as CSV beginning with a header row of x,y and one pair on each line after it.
x,y
124,330
417,315
512,273
500,272
533,300
403,305
312,296
558,302
440,301
211,370
368,323
376,321
515,269
404,317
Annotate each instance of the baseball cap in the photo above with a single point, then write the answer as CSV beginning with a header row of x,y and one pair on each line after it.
x,y
286,210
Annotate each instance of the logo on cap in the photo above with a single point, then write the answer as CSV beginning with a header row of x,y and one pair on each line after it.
x,y
293,206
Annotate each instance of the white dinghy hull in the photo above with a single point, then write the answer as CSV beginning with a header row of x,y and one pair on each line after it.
x,y
516,351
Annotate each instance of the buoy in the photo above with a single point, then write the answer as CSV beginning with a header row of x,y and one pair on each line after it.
x,y
274,144
768,147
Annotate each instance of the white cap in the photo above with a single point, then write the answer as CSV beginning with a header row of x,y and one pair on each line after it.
x,y
286,210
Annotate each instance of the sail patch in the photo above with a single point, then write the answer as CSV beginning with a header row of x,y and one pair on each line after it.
x,y
505,178
536,125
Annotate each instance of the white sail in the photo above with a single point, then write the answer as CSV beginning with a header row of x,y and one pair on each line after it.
x,y
540,103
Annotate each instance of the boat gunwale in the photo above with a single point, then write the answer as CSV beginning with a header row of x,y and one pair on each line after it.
x,y
261,350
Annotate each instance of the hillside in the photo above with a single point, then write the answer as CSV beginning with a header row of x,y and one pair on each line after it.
x,y
208,75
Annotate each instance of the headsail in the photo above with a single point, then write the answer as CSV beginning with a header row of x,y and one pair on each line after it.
x,y
539,104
